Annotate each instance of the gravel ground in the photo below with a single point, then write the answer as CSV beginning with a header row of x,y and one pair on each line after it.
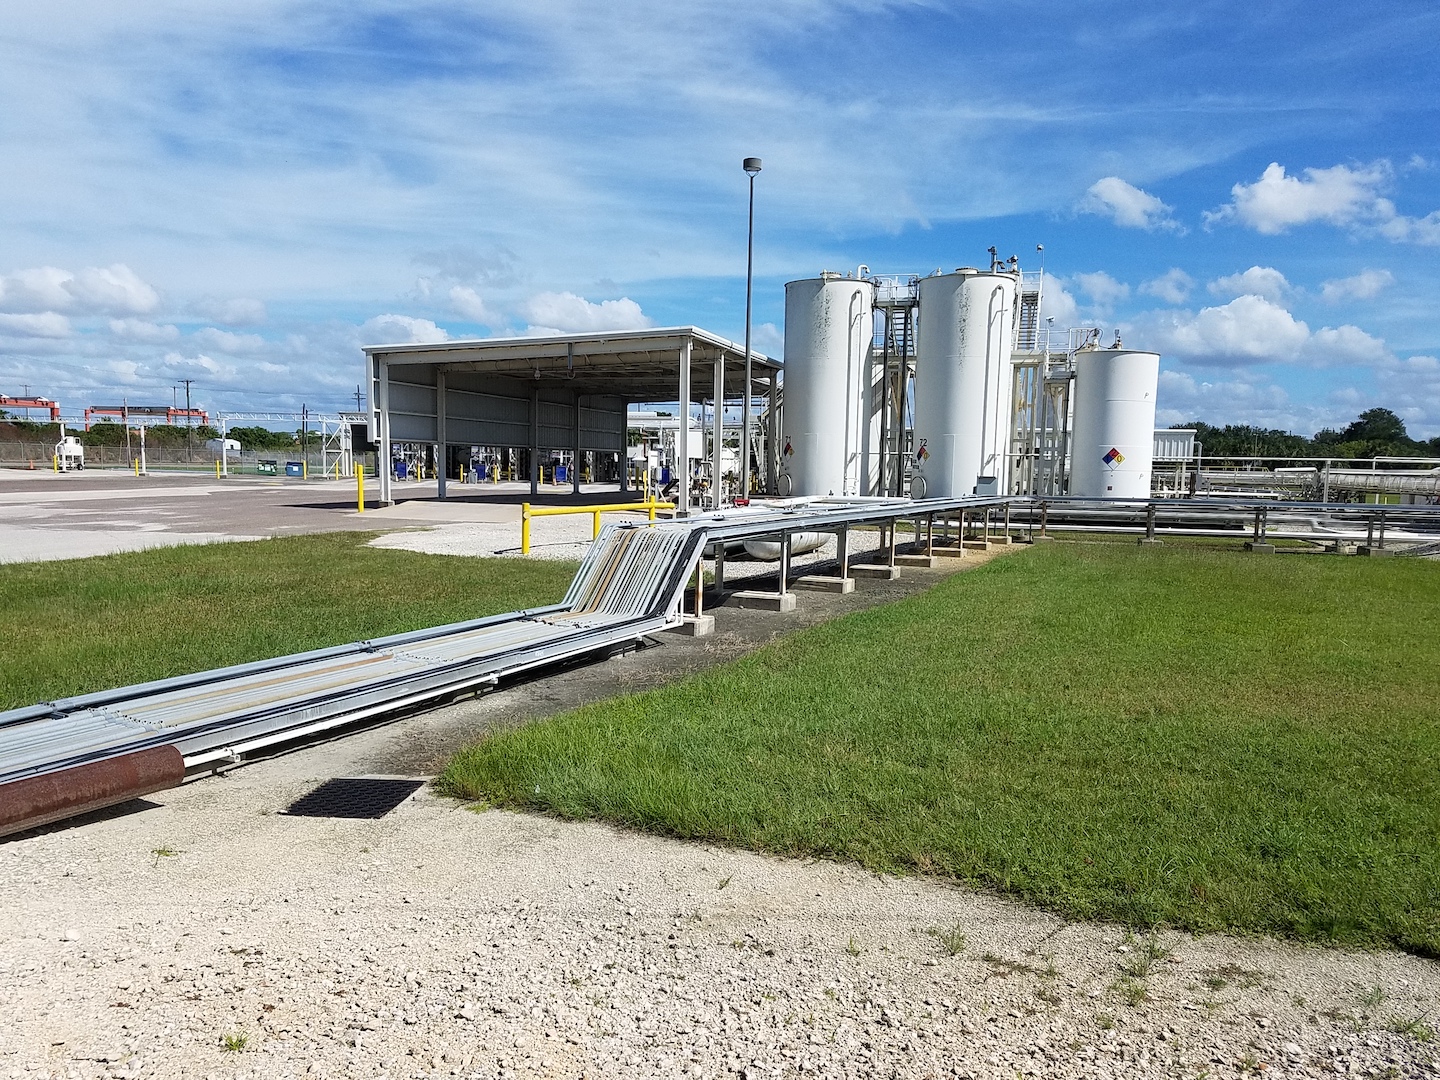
x,y
440,942
203,933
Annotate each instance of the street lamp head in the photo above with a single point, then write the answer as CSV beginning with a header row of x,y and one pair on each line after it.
x,y
751,165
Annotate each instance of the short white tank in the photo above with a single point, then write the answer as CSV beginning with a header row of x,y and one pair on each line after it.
x,y
963,342
829,330
1113,441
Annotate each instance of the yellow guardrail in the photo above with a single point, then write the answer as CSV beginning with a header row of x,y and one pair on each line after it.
x,y
650,505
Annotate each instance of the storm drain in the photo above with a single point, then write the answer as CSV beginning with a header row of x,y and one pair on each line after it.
x,y
353,798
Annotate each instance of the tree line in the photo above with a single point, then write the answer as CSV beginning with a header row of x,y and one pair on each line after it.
x,y
107,433
1374,433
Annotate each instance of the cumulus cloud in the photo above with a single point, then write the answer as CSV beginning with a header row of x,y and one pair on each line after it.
x,y
1365,285
401,330
178,363
1102,289
1058,304
566,313
227,342
768,338
1182,397
45,324
1263,281
1253,330
144,332
468,304
1128,206
111,290
1173,286
238,311
1343,195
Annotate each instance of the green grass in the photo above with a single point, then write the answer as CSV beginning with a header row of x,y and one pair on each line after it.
x,y
90,624
1181,735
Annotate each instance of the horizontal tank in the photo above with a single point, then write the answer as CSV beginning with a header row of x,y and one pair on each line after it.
x,y
963,343
1112,444
829,327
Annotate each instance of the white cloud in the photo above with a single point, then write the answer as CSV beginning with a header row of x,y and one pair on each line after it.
x,y
1058,304
1365,285
1343,195
1251,329
468,304
1128,206
240,311
1102,289
1263,281
566,313
1173,286
124,371
227,342
45,324
39,289
1182,397
145,332
115,290
175,362
401,330
768,338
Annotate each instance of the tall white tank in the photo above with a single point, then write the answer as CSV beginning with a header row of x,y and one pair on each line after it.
x,y
1112,445
963,343
829,331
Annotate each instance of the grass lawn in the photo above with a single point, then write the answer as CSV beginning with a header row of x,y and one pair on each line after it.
x,y
1183,735
90,624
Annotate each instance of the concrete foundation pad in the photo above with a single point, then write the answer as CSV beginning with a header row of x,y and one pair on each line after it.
x,y
885,573
926,561
1374,552
1145,541
1262,549
696,626
763,601
978,545
822,583
948,552
1339,548
1047,539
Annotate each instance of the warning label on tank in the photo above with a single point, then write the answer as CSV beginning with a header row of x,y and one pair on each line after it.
x,y
1113,457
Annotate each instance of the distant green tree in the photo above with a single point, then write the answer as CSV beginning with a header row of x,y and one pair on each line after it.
x,y
259,438
1376,425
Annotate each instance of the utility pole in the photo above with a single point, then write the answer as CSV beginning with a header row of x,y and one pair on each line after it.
x,y
359,399
187,383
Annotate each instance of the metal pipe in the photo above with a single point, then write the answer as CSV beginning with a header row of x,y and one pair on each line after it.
x,y
41,800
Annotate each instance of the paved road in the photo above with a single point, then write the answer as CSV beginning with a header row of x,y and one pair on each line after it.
x,y
74,515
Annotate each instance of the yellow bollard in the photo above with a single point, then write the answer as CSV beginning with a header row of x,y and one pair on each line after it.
x,y
137,466
524,528
360,487
595,532
305,469
217,468
650,502
55,462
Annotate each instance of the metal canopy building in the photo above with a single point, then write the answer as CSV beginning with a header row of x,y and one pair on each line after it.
x,y
563,392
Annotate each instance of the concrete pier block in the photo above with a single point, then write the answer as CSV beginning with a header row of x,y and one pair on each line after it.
x,y
763,601
884,573
693,626
926,561
822,583
1261,549
1145,541
1374,552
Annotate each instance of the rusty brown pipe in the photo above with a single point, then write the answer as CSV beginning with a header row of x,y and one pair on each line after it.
x,y
50,797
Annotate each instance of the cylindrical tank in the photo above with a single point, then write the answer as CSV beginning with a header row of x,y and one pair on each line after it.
x,y
829,328
962,383
1113,440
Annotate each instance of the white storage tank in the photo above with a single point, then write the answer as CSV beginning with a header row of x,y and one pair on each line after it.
x,y
963,345
829,330
1112,444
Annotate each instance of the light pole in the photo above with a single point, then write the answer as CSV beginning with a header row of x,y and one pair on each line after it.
x,y
751,166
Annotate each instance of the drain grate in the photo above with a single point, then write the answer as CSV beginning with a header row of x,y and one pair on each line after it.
x,y
353,798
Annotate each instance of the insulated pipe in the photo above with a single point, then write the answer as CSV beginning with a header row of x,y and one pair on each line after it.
x,y
40,800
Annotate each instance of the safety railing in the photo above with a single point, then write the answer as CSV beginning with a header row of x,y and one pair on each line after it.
x,y
648,507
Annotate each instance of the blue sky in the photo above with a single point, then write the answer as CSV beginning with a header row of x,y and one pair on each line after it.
x,y
243,193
